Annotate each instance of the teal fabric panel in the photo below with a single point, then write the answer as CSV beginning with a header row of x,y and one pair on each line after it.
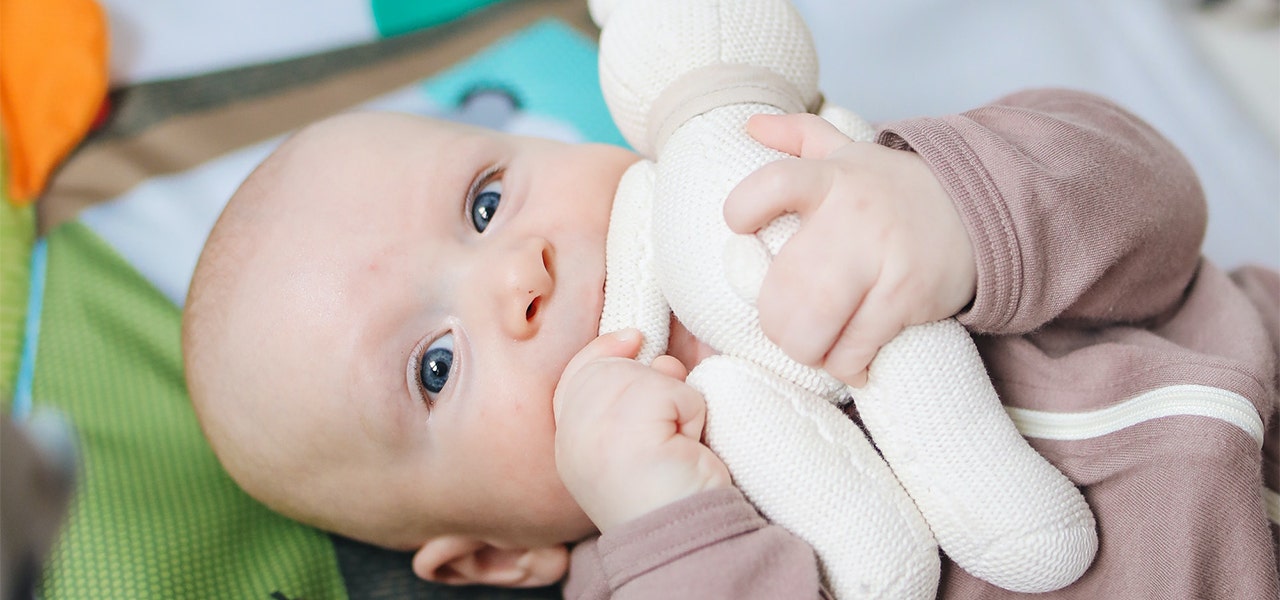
x,y
393,17
549,67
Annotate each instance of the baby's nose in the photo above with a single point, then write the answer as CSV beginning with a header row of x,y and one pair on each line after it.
x,y
526,283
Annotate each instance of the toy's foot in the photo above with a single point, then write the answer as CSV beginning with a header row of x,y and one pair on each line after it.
x,y
807,467
997,508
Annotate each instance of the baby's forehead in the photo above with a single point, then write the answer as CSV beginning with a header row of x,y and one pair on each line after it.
x,y
358,148
343,188
333,202
384,130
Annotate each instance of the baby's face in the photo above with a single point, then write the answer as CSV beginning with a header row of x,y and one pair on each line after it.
x,y
412,309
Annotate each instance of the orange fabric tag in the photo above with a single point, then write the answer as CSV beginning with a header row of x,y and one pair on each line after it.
x,y
53,80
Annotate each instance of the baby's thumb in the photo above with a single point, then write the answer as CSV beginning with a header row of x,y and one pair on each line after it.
x,y
624,343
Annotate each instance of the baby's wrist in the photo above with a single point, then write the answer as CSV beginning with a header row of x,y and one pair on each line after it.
x,y
638,508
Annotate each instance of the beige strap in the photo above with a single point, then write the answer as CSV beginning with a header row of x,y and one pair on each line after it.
x,y
707,88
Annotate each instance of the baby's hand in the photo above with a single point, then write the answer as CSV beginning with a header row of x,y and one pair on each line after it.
x,y
628,435
880,246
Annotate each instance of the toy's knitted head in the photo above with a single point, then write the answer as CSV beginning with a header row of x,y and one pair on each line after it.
x,y
659,60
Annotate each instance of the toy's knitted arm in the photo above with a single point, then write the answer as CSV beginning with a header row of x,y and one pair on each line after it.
x,y
808,468
997,508
631,293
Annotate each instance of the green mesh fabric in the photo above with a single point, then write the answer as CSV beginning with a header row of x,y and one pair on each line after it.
x,y
17,233
154,515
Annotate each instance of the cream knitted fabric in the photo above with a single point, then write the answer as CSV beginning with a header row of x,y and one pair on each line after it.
x,y
995,506
800,460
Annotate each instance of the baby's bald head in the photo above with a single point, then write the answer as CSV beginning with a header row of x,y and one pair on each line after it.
x,y
261,316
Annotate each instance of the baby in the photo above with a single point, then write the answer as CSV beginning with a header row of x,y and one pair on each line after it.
x,y
392,335
378,325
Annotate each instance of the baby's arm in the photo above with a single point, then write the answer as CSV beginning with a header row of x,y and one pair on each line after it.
x,y
1046,204
1078,210
628,447
710,545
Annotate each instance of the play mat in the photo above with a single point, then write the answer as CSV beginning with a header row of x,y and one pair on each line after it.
x,y
163,107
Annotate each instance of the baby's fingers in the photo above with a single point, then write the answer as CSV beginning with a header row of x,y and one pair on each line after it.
x,y
812,289
804,135
689,408
670,366
872,326
618,344
782,186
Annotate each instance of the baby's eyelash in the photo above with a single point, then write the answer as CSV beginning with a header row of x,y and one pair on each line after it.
x,y
433,367
484,178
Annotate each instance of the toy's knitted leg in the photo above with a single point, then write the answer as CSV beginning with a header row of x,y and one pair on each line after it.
x,y
997,508
808,468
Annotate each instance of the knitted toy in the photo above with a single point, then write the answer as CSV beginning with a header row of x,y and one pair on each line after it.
x,y
681,77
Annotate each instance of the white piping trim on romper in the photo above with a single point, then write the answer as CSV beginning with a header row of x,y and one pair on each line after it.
x,y
1175,400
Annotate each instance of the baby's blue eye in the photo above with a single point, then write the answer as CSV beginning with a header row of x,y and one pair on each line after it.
x,y
485,204
437,361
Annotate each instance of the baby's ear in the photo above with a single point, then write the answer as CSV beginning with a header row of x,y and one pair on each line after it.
x,y
459,560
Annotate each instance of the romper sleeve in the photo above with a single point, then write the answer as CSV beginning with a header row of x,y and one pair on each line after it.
x,y
710,545
1078,210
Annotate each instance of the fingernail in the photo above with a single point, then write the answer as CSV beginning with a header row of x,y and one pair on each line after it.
x,y
629,334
